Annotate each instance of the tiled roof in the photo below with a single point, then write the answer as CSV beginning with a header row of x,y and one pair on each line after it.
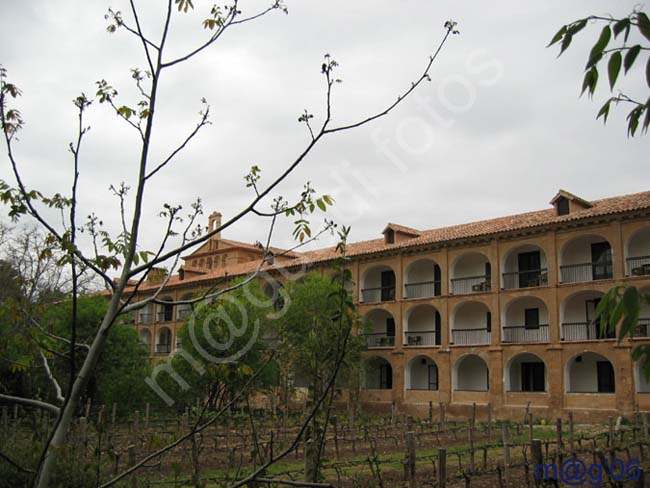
x,y
403,229
529,220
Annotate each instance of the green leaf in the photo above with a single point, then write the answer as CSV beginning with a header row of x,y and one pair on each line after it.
x,y
613,68
647,72
630,57
604,111
566,41
590,81
328,199
321,205
557,36
646,120
621,25
644,24
597,51
631,308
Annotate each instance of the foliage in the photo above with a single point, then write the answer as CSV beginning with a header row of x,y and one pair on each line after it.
x,y
632,33
236,320
622,305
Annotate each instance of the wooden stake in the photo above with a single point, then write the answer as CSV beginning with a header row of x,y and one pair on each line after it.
x,y
536,452
442,416
506,454
558,430
442,467
571,439
409,466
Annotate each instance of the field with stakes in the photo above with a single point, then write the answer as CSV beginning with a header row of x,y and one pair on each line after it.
x,y
367,451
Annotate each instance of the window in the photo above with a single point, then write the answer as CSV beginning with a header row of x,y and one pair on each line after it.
x,y
606,380
390,236
488,321
387,286
562,206
532,376
385,377
601,260
531,318
390,327
432,372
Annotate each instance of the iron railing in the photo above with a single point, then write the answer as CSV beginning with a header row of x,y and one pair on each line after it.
x,y
525,279
638,266
379,339
643,328
468,337
166,315
419,388
470,284
518,334
422,289
163,348
584,331
378,294
574,273
145,318
421,338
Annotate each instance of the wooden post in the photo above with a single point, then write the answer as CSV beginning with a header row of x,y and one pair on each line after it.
x,y
558,430
88,409
136,422
442,416
489,420
472,466
536,452
409,466
430,414
645,426
442,467
610,440
131,454
530,427
506,454
640,483
571,437
409,423
473,414
146,415
393,413
113,413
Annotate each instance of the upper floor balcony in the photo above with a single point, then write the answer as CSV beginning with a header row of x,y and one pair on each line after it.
x,y
165,311
637,253
586,258
471,273
525,320
579,321
471,324
423,279
525,267
422,326
381,331
163,341
378,285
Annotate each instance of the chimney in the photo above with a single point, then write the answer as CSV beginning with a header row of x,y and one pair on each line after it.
x,y
214,221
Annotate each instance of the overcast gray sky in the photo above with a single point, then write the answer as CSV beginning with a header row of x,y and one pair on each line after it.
x,y
498,131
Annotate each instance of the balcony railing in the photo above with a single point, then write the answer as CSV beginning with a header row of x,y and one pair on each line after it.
x,y
639,266
518,334
422,289
525,279
433,387
378,294
379,339
470,337
574,273
163,348
643,328
421,338
471,284
145,318
584,331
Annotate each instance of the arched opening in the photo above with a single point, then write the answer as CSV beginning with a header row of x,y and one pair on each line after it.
x,y
145,314
526,372
421,373
184,310
378,285
471,324
378,374
382,328
589,372
471,273
579,321
643,327
637,253
586,258
525,267
422,326
470,373
145,337
423,279
165,310
163,341
525,320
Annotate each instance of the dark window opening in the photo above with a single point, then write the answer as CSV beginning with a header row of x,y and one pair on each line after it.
x,y
562,206
436,281
390,327
385,377
606,380
437,333
390,236
488,321
432,372
601,260
530,264
532,376
387,286
531,318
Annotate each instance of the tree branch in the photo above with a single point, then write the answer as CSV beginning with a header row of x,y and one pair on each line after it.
x,y
30,403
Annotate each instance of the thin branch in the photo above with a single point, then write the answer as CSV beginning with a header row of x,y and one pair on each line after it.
x,y
16,465
55,383
30,403
141,35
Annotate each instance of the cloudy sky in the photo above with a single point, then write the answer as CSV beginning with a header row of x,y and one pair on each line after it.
x,y
498,130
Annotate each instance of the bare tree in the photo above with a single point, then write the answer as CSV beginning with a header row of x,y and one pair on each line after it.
x,y
122,251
